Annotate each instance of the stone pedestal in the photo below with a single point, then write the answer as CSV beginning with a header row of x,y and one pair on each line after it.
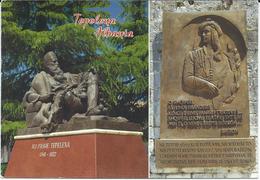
x,y
85,153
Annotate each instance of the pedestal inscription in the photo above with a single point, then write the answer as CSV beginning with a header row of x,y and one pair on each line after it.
x,y
49,150
204,91
82,155
238,152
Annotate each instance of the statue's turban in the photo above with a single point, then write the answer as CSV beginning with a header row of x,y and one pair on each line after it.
x,y
49,56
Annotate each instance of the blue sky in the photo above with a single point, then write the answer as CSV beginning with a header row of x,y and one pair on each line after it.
x,y
114,9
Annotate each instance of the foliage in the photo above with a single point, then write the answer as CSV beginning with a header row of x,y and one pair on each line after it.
x,y
37,27
124,72
12,126
135,17
3,168
32,28
132,94
12,110
45,15
9,130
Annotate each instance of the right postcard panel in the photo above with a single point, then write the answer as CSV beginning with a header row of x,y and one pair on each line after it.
x,y
204,89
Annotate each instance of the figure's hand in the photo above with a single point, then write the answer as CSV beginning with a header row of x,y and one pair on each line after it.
x,y
201,87
210,90
47,97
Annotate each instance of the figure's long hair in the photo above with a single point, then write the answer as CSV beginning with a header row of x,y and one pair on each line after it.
x,y
216,45
215,41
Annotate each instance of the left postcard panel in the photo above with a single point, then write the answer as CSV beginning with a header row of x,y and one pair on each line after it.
x,y
74,89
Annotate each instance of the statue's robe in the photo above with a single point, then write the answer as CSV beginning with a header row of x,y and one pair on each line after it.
x,y
37,112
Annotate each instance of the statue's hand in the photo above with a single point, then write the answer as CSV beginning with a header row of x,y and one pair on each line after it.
x,y
47,98
71,86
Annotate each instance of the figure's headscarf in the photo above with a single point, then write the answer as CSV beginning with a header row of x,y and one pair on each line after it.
x,y
212,24
216,33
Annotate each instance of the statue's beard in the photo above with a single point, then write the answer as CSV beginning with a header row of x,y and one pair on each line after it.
x,y
57,74
59,77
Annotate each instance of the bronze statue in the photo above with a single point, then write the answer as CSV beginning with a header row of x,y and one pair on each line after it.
x,y
211,71
55,96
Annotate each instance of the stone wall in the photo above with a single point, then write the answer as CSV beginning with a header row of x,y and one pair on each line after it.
x,y
156,11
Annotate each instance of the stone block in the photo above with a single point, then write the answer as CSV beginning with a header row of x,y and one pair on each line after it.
x,y
219,176
253,175
156,95
252,46
253,131
156,116
253,107
252,12
252,36
153,168
201,176
179,176
151,147
238,175
157,66
156,81
253,120
157,176
154,133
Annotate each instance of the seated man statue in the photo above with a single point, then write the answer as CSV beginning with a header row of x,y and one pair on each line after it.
x,y
55,96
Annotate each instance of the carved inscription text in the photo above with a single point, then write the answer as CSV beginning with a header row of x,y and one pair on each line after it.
x,y
185,114
203,153
48,149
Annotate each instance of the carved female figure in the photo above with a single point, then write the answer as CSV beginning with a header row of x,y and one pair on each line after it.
x,y
208,70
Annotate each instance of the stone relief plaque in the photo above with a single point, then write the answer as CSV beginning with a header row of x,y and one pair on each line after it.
x,y
204,90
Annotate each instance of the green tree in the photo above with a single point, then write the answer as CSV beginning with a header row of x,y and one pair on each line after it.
x,y
12,111
31,28
39,26
125,68
135,18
